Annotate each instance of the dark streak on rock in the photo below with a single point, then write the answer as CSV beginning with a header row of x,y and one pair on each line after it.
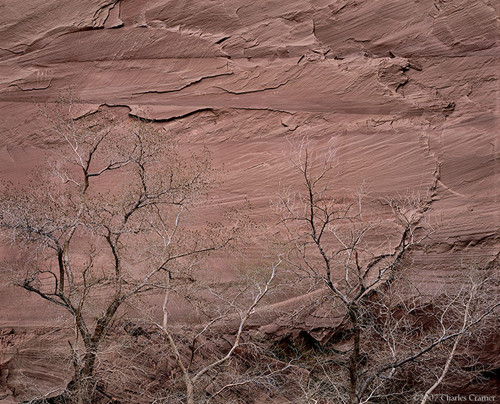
x,y
254,91
115,105
184,86
14,52
33,88
357,40
263,109
414,66
97,13
222,40
98,109
449,109
172,118
401,85
117,3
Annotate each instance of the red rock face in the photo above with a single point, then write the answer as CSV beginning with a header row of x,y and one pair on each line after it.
x,y
405,92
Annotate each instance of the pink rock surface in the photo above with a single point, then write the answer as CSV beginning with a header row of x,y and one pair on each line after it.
x,y
406,92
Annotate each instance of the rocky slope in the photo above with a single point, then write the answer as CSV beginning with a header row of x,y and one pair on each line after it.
x,y
405,92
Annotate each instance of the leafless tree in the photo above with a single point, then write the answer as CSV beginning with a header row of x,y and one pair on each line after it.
x,y
232,311
389,326
464,315
103,223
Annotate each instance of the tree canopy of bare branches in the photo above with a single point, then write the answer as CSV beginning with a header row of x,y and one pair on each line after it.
x,y
389,326
102,223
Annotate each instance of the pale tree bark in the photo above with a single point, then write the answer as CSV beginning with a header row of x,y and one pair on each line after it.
x,y
191,378
128,236
474,294
328,244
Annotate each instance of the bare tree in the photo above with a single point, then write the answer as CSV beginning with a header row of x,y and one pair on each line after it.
x,y
460,316
334,243
231,310
103,223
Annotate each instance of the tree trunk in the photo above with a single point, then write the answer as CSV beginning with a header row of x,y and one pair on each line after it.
x,y
83,385
354,360
189,393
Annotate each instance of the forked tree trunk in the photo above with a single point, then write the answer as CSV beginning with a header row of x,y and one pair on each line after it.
x,y
83,385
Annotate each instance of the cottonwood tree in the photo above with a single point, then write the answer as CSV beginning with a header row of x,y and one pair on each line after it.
x,y
225,311
465,317
389,327
103,223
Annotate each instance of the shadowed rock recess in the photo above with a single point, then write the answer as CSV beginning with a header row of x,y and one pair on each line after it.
x,y
406,92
